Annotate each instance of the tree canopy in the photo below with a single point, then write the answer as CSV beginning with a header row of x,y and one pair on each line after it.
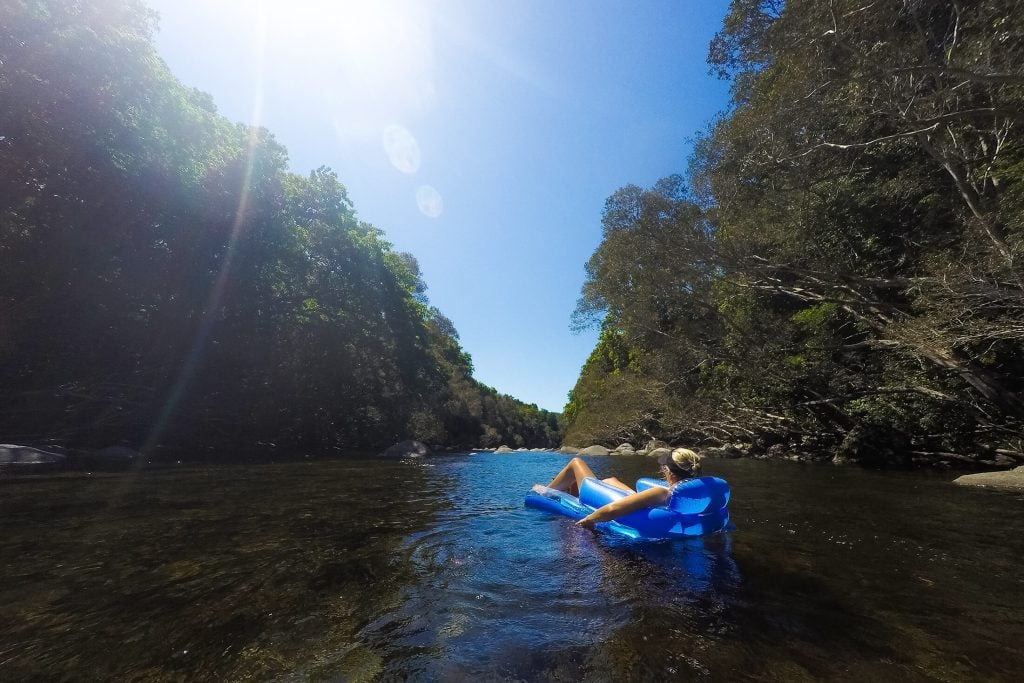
x,y
840,272
167,280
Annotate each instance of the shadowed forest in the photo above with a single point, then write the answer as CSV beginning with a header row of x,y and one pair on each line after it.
x,y
839,272
167,281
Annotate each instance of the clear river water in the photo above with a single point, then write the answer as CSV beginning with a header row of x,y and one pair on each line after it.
x,y
355,569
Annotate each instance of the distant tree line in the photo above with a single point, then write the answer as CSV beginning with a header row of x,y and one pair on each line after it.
x,y
164,279
840,271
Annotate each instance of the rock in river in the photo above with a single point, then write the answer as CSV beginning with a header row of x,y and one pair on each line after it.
x,y
1010,480
405,449
658,452
503,449
27,460
595,450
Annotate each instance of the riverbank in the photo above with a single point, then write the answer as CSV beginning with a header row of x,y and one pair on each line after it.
x,y
849,455
15,459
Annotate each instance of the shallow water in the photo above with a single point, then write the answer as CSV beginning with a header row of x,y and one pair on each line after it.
x,y
434,570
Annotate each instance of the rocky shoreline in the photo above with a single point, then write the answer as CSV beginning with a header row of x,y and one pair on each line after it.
x,y
1007,474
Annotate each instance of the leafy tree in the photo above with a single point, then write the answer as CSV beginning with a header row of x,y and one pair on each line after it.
x,y
848,260
168,281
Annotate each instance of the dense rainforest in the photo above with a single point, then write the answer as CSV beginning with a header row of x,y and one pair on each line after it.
x,y
839,271
166,280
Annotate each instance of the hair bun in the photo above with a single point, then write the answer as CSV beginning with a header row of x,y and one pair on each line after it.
x,y
686,459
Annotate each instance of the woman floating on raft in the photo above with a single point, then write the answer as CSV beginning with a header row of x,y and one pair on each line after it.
x,y
681,505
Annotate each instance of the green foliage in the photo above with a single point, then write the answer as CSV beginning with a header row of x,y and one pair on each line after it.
x,y
167,280
475,415
816,318
846,265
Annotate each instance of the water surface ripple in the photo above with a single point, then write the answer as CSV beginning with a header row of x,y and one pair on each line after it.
x,y
433,570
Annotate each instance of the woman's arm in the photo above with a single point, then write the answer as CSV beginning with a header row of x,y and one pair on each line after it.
x,y
652,497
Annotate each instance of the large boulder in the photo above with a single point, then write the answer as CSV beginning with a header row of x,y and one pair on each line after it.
x,y
503,449
27,460
569,450
1010,480
625,449
658,452
727,451
595,450
654,444
405,449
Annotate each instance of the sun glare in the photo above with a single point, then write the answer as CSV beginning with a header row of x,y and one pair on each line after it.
x,y
381,52
376,66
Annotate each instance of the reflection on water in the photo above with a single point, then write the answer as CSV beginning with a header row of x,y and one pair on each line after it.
x,y
365,570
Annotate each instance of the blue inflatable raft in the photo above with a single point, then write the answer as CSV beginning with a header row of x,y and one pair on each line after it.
x,y
696,507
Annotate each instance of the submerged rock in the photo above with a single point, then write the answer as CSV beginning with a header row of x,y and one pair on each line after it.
x,y
27,460
1010,480
405,449
595,450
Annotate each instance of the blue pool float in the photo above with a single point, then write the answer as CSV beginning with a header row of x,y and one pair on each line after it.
x,y
696,507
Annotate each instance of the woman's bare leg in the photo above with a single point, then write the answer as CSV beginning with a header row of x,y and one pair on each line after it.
x,y
571,476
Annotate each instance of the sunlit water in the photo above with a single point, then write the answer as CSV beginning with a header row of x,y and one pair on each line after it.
x,y
434,570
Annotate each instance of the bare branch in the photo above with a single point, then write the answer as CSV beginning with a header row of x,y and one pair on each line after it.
x,y
994,78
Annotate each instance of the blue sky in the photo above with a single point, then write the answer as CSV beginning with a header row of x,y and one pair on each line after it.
x,y
483,137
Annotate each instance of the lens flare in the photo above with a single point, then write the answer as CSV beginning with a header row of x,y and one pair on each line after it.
x,y
429,201
402,149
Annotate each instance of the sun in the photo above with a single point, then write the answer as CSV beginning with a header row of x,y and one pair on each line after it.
x,y
382,51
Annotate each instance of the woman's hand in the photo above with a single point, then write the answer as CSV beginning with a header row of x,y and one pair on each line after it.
x,y
587,522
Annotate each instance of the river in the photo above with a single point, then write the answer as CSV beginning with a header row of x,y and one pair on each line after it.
x,y
354,569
